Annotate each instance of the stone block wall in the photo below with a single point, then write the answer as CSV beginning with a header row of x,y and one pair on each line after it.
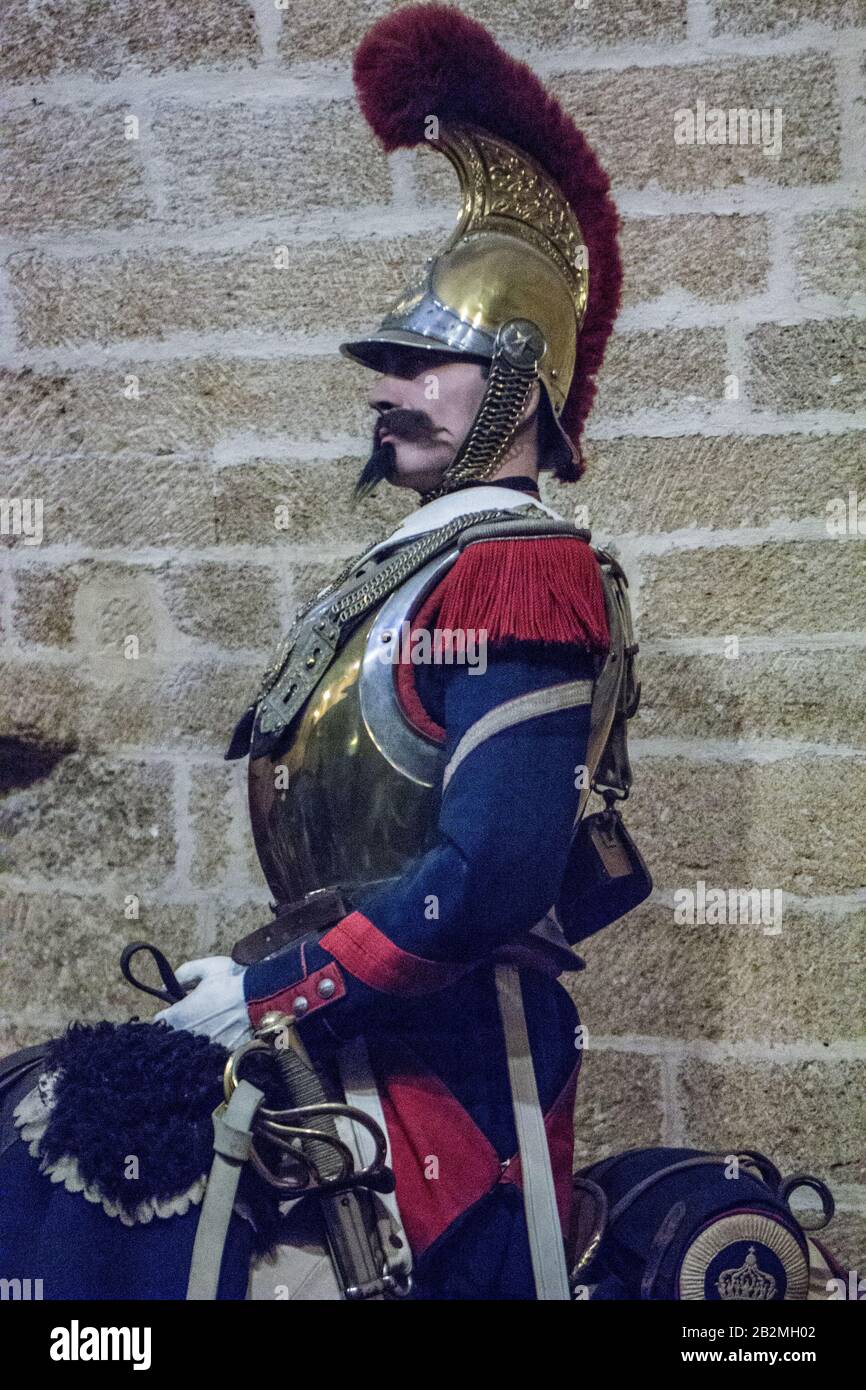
x,y
193,216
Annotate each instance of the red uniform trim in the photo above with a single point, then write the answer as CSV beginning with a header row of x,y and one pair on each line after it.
x,y
372,957
442,1161
523,589
404,675
307,988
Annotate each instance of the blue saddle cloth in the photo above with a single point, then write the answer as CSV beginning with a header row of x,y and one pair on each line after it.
x,y
132,1106
78,1252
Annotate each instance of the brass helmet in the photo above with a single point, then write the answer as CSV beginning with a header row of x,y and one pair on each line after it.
x,y
529,280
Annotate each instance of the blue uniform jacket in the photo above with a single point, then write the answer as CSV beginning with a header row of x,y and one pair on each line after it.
x,y
412,967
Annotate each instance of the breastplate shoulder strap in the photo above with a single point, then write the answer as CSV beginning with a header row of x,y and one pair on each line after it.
x,y
617,691
525,527
318,634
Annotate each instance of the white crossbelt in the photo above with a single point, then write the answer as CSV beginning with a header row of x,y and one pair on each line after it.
x,y
546,1245
232,1125
539,1194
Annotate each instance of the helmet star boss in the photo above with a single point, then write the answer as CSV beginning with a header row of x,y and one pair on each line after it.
x,y
530,278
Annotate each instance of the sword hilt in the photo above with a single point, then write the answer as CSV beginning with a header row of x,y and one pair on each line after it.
x,y
302,1085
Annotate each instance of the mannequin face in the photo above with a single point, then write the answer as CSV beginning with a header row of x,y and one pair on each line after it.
x,y
426,402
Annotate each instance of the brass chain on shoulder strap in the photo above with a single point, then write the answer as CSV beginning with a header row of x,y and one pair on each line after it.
x,y
317,630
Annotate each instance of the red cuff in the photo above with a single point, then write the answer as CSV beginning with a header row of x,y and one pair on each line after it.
x,y
369,955
303,997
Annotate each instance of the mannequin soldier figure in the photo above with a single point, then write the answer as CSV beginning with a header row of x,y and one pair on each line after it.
x,y
447,826
437,797
421,752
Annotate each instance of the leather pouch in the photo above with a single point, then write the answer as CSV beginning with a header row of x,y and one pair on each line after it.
x,y
605,876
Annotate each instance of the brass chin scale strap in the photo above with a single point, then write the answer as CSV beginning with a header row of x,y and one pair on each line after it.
x,y
517,351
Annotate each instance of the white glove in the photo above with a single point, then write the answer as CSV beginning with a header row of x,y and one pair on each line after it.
x,y
216,1007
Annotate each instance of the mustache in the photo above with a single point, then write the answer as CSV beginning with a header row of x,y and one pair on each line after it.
x,y
411,425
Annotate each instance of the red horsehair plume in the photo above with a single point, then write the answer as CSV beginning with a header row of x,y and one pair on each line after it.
x,y
432,60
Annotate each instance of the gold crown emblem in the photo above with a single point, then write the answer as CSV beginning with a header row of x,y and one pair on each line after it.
x,y
749,1283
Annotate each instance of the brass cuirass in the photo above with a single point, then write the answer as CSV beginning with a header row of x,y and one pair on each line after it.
x,y
353,798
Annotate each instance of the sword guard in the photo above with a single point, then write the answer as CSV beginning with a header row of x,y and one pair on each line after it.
x,y
293,1131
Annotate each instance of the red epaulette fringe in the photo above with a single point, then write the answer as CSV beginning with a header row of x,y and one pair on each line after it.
x,y
531,590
